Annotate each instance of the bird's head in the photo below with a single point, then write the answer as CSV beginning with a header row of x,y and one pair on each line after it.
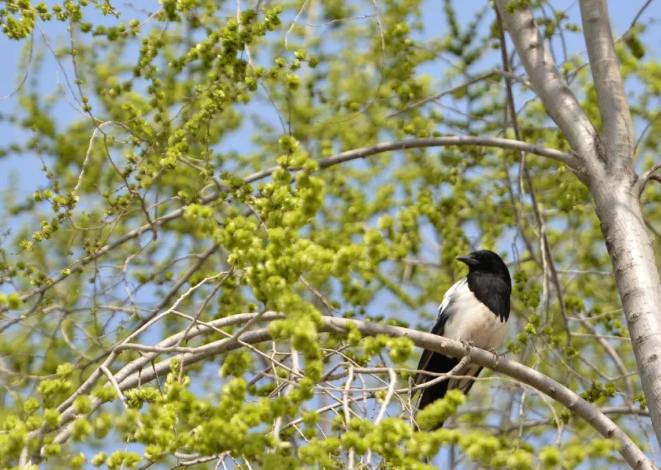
x,y
485,261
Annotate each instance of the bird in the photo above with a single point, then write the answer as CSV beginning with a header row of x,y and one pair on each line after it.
x,y
474,311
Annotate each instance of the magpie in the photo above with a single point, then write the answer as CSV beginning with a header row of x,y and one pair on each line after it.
x,y
475,310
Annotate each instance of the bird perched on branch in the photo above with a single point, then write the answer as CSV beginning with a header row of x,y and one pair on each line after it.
x,y
475,311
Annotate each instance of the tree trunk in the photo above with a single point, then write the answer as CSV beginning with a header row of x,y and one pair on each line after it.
x,y
637,277
606,166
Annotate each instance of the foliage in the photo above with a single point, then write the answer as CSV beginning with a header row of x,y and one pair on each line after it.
x,y
156,215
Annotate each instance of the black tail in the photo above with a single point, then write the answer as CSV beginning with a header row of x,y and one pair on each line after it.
x,y
438,364
441,364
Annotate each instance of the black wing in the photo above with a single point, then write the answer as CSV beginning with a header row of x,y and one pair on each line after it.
x,y
440,363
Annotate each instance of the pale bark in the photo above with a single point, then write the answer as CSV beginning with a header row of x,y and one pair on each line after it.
x,y
617,131
618,207
637,277
559,101
448,141
606,167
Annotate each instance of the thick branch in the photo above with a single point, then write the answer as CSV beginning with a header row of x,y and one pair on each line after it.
x,y
458,141
617,130
558,99
591,414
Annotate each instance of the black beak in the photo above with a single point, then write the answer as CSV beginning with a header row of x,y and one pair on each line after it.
x,y
468,260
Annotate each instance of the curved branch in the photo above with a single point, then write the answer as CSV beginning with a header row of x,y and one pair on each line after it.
x,y
461,141
587,411
639,186
450,141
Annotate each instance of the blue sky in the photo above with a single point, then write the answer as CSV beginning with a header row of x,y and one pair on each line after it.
x,y
24,171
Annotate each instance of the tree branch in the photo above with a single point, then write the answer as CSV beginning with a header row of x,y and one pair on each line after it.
x,y
617,130
449,91
587,411
617,200
461,141
558,99
547,256
503,73
458,141
648,175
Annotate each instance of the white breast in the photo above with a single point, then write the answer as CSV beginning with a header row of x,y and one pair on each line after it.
x,y
471,320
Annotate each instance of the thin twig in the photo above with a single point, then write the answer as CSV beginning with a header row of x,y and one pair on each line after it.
x,y
347,415
113,382
389,394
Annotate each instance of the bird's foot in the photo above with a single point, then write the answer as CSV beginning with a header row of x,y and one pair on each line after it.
x,y
496,357
467,344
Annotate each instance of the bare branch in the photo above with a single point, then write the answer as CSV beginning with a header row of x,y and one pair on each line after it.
x,y
613,107
115,385
455,372
638,15
347,416
647,127
391,391
558,99
458,141
461,86
587,411
449,91
648,175
547,257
